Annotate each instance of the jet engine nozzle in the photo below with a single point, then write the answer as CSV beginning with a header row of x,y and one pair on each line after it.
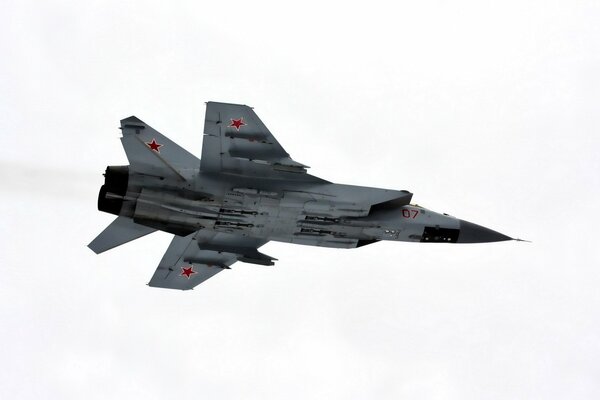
x,y
110,198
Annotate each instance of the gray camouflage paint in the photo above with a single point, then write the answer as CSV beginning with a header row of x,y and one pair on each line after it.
x,y
245,191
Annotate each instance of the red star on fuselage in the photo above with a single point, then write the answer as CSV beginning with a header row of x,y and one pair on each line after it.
x,y
187,272
237,123
154,146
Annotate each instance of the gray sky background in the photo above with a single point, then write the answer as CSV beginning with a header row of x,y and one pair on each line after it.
x,y
484,110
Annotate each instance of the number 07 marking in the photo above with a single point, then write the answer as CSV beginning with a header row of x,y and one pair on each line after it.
x,y
406,213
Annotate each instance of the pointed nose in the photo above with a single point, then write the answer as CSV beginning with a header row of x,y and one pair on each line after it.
x,y
473,233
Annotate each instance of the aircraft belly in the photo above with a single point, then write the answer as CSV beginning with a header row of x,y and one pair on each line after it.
x,y
289,218
291,215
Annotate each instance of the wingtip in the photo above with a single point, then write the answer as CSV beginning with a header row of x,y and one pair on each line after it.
x,y
227,104
522,240
93,247
89,246
133,118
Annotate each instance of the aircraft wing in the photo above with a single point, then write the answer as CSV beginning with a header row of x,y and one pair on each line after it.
x,y
236,141
192,259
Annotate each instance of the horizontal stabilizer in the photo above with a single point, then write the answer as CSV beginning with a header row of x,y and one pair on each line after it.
x,y
122,230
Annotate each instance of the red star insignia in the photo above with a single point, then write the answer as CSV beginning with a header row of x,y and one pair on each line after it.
x,y
187,272
154,146
237,123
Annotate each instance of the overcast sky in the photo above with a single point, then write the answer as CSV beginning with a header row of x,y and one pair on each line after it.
x,y
488,111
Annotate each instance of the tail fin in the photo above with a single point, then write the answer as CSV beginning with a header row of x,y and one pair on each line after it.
x,y
150,152
122,230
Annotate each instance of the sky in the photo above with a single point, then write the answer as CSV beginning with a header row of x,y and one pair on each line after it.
x,y
485,110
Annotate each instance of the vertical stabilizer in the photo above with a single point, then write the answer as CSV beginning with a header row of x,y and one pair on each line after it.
x,y
150,152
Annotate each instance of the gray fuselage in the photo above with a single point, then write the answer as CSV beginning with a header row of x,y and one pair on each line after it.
x,y
296,211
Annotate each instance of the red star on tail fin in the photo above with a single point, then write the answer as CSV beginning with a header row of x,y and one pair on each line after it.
x,y
237,123
154,146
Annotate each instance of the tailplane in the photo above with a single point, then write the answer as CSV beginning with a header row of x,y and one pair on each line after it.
x,y
122,230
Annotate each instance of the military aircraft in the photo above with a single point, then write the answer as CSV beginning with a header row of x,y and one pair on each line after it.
x,y
245,191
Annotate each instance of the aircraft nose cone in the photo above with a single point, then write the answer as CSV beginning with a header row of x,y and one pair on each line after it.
x,y
473,233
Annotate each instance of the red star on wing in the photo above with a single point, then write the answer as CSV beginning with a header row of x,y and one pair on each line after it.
x,y
154,146
237,123
187,272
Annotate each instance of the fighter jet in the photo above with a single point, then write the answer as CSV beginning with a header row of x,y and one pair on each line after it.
x,y
244,191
